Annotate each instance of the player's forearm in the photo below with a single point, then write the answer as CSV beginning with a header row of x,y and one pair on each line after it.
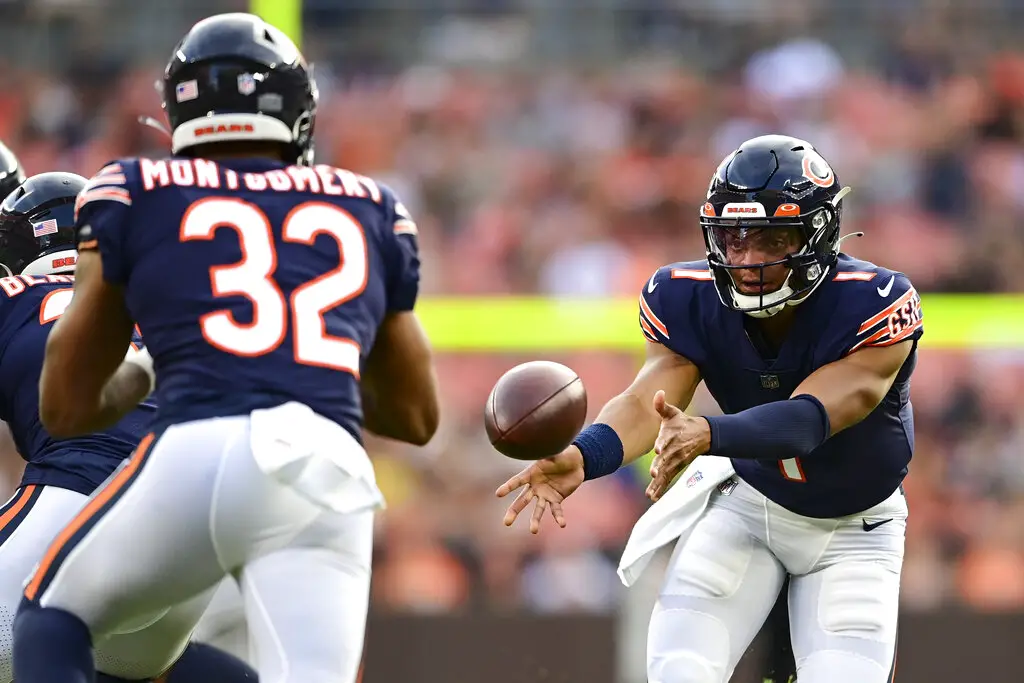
x,y
401,399
401,405
772,431
635,421
131,382
628,425
122,393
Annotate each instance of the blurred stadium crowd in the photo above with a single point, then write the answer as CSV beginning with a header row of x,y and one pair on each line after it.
x,y
539,160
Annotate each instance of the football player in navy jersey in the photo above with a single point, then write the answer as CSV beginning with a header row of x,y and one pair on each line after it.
x,y
37,253
276,300
809,353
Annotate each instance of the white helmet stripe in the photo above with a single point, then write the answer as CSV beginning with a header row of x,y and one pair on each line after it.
x,y
227,127
44,265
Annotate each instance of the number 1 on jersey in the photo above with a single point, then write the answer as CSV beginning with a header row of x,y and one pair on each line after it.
x,y
252,278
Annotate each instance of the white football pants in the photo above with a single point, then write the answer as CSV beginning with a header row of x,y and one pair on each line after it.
x,y
29,521
193,505
726,573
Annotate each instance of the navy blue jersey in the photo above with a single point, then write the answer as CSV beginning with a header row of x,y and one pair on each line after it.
x,y
254,283
29,306
860,305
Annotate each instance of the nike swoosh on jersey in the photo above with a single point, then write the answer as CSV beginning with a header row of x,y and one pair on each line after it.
x,y
651,285
884,291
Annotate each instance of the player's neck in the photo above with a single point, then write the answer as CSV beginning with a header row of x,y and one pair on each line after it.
x,y
775,328
226,151
225,157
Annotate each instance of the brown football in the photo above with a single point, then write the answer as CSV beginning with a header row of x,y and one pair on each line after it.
x,y
535,410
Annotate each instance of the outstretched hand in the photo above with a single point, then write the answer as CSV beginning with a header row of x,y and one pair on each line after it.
x,y
681,439
548,481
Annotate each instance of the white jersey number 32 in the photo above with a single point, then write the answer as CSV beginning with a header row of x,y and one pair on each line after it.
x,y
252,277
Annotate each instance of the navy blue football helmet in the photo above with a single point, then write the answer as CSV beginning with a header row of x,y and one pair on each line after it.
x,y
234,77
775,198
37,225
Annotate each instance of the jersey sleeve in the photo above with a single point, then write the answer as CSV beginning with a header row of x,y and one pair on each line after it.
x,y
669,310
882,312
101,220
651,325
402,253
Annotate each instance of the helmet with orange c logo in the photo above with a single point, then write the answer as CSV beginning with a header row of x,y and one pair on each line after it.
x,y
771,224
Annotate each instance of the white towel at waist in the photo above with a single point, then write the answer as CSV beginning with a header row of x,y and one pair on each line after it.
x,y
315,457
670,517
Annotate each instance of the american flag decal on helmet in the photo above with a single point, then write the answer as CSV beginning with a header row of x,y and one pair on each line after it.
x,y
188,90
47,227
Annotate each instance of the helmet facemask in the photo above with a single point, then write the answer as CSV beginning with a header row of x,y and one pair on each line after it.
x,y
803,245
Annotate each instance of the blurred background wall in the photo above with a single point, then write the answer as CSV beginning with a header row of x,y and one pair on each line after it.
x,y
561,148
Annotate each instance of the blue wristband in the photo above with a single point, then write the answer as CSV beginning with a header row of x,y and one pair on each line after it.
x,y
601,448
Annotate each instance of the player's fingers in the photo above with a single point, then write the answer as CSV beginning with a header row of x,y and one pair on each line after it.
x,y
653,486
662,486
663,407
518,505
556,512
666,455
513,483
668,473
538,514
664,441
659,484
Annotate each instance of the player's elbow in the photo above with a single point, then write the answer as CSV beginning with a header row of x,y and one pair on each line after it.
x,y
411,418
867,399
60,418
859,403
422,416
60,421
416,428
423,426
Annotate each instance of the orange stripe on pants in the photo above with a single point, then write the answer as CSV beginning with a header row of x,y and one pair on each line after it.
x,y
86,514
18,505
